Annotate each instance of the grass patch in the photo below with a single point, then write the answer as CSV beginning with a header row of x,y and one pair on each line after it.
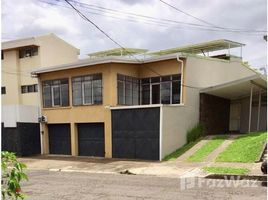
x,y
180,151
246,148
207,148
226,170
194,133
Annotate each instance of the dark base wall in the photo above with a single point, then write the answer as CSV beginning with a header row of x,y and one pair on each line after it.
x,y
24,140
214,114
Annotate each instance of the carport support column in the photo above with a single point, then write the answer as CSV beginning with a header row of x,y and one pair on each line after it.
x,y
259,110
74,141
250,108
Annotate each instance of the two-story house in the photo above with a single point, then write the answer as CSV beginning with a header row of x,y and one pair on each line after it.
x,y
142,107
20,97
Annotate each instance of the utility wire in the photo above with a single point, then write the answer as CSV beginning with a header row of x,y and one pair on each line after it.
x,y
201,20
209,25
153,21
103,32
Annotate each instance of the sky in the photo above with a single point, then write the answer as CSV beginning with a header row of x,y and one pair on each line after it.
x,y
162,27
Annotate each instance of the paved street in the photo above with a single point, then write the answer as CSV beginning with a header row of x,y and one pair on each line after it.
x,y
44,185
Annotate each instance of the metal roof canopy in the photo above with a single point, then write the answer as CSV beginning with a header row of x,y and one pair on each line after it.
x,y
118,52
238,88
214,45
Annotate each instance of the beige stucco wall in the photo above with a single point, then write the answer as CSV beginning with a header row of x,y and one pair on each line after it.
x,y
55,51
162,68
97,113
17,72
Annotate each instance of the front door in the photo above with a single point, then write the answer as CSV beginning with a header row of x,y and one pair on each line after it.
x,y
235,112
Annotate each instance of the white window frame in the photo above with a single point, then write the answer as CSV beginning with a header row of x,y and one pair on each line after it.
x,y
83,92
52,95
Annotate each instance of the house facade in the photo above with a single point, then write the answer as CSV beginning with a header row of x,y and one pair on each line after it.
x,y
122,107
20,97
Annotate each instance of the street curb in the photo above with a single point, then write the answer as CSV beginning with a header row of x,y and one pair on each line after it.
x,y
237,177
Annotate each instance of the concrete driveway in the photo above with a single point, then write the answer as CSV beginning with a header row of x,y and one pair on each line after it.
x,y
104,165
115,166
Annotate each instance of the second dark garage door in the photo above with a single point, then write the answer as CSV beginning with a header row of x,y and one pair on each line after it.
x,y
59,139
135,133
91,139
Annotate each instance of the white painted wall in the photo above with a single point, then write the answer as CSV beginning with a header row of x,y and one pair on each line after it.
x,y
198,73
177,120
11,114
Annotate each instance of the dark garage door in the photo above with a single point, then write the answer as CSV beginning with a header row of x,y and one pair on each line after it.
x,y
59,139
91,139
135,133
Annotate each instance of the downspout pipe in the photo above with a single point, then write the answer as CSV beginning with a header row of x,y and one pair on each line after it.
x,y
182,77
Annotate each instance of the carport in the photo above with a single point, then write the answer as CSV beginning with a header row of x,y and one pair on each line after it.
x,y
237,106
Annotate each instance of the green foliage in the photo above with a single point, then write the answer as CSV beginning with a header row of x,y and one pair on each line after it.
x,y
207,148
246,148
195,133
12,175
226,170
180,151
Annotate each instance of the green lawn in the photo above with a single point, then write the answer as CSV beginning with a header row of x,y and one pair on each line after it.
x,y
226,170
180,151
246,148
207,148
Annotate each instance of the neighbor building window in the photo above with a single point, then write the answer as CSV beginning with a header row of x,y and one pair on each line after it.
x,y
28,51
29,88
55,93
127,90
87,90
3,90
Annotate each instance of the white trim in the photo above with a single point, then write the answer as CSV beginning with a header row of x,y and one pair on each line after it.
x,y
143,106
134,107
160,132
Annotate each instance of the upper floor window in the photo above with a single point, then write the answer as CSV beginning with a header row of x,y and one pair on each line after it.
x,y
2,55
28,51
164,90
29,88
127,90
87,90
55,93
3,90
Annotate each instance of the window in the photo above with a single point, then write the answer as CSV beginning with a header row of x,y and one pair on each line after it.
x,y
55,93
2,55
127,90
87,90
29,88
165,90
176,89
3,90
28,51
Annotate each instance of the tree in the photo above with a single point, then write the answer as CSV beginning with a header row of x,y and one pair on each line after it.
x,y
12,175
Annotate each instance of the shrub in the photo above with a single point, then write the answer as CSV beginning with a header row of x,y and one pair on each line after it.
x,y
12,175
195,133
